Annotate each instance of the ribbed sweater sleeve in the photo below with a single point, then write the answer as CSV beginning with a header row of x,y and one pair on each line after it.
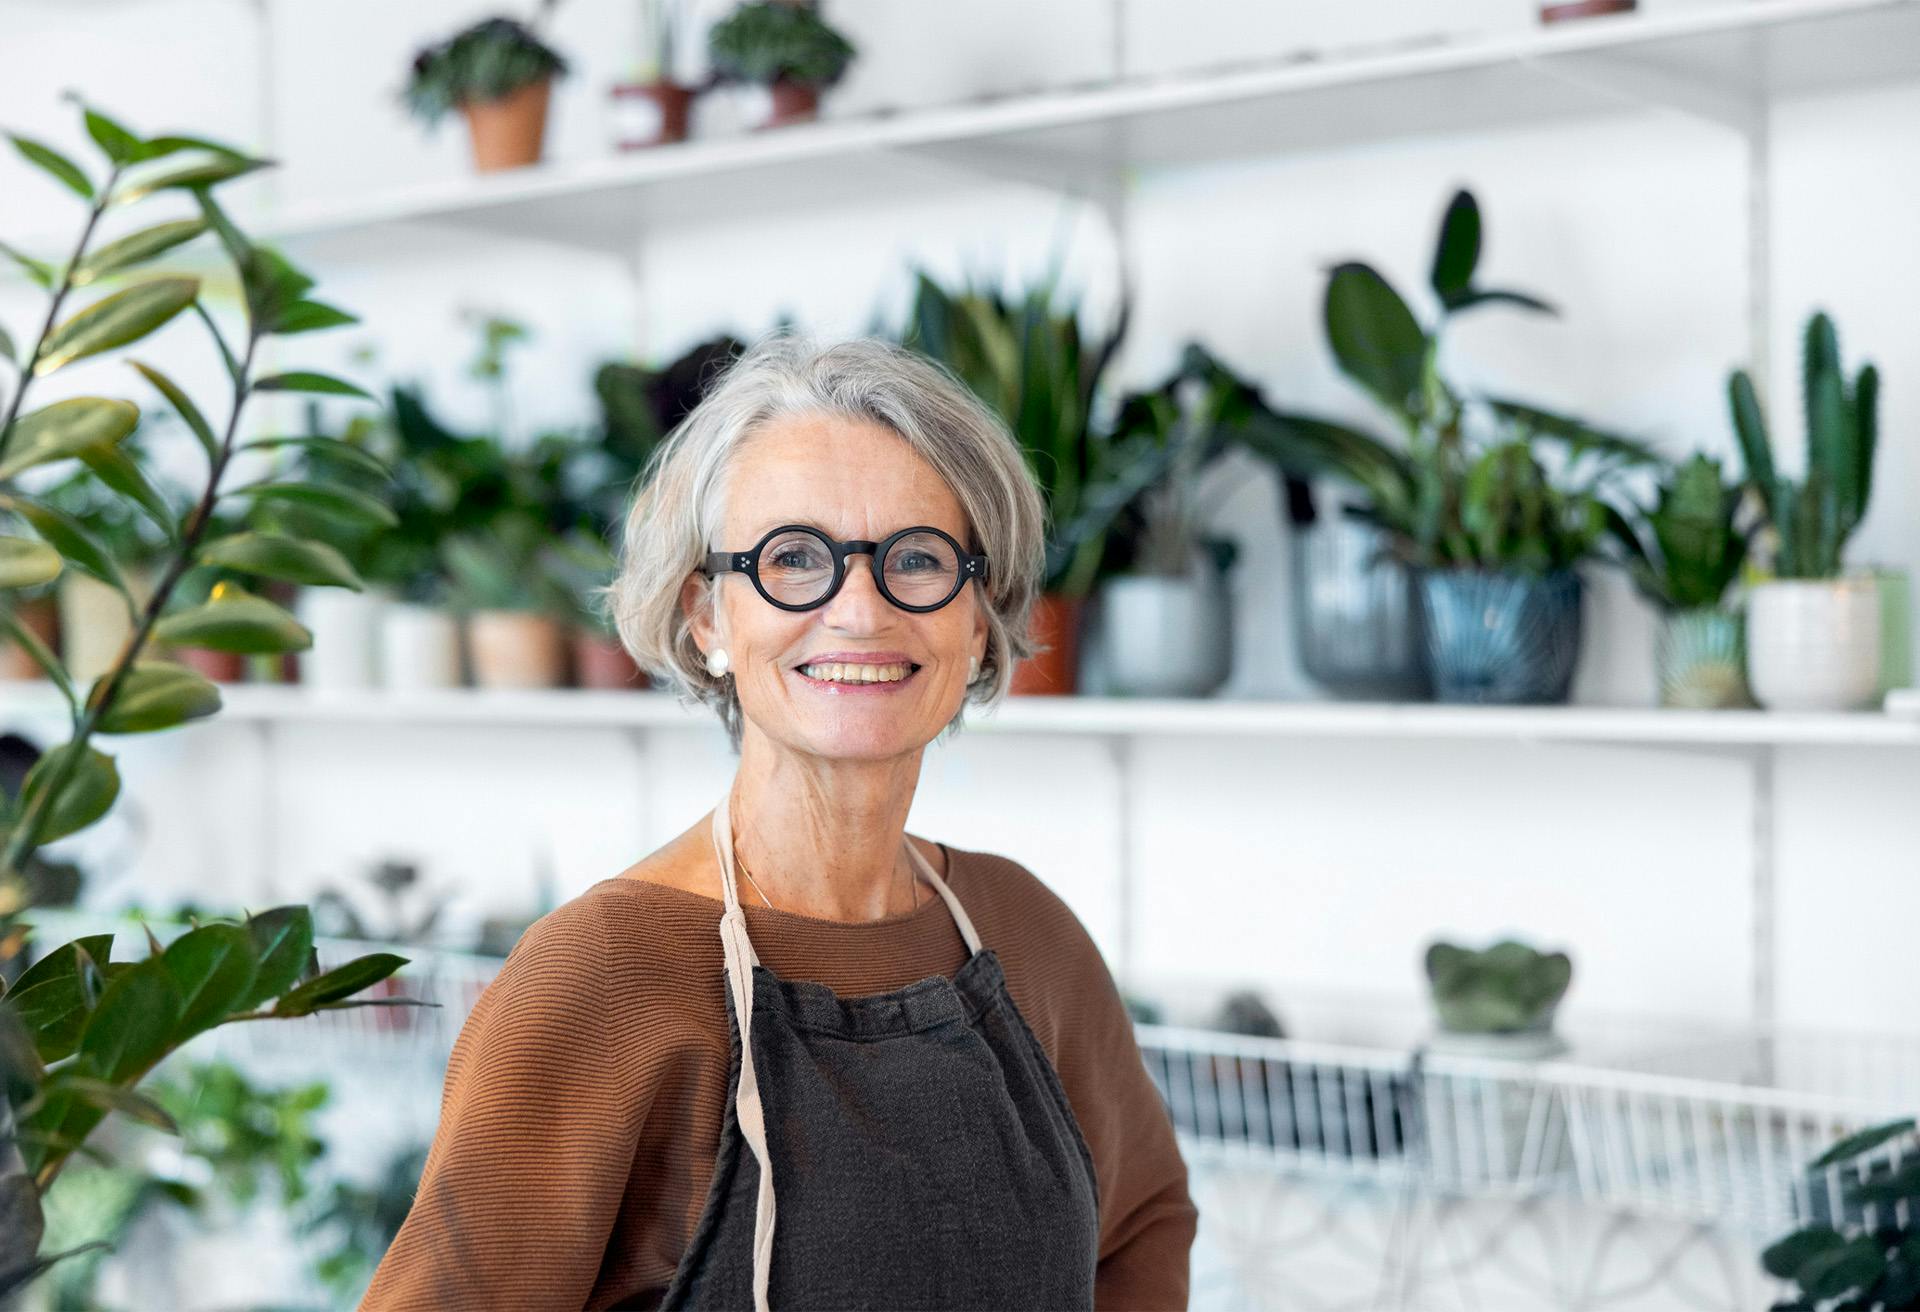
x,y
524,1177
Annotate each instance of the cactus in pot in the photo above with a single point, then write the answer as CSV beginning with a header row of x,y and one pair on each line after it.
x,y
1509,988
1814,627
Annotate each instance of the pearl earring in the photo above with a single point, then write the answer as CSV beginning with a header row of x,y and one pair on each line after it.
x,y
717,662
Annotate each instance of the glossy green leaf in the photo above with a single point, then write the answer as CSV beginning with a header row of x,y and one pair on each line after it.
x,y
214,967
1862,1141
1457,252
70,538
46,157
123,474
61,430
156,695
303,380
136,248
282,939
340,982
328,448
27,561
120,145
344,504
60,962
183,406
1374,336
234,620
126,316
132,1028
87,795
273,286
1785,1258
87,969
280,557
310,316
39,271
54,1012
192,174
117,1098
173,143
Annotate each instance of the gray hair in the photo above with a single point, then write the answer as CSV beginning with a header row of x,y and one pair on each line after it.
x,y
677,507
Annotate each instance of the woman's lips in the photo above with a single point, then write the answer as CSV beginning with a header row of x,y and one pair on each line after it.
x,y
856,689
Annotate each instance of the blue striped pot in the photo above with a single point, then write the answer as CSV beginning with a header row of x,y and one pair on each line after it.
x,y
1499,638
1700,656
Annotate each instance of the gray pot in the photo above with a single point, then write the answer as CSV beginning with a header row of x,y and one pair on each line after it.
x,y
1499,638
1356,612
1166,636
1700,657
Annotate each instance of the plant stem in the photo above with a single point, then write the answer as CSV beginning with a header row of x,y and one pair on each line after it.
x,y
94,212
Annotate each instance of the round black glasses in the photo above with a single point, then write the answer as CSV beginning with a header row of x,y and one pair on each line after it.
x,y
798,568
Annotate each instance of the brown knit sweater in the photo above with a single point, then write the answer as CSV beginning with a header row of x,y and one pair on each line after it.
x,y
585,1094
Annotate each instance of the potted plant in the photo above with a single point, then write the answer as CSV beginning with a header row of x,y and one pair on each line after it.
x,y
1026,358
1839,1259
1684,555
1165,619
1497,1001
80,1031
785,46
499,74
517,608
1488,540
651,107
1813,640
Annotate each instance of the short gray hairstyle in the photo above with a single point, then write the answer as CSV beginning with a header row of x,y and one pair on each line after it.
x,y
679,498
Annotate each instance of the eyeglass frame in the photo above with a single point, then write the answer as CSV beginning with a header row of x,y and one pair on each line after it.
x,y
970,565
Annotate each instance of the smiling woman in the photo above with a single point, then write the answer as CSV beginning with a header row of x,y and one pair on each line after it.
x,y
912,1099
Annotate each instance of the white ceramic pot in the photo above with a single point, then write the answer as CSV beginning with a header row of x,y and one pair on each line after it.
x,y
516,649
1165,636
419,647
1814,644
345,627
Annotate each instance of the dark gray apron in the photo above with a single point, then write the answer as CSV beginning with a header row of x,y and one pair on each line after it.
x,y
923,1149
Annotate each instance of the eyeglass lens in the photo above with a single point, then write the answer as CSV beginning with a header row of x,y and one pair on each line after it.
x,y
797,568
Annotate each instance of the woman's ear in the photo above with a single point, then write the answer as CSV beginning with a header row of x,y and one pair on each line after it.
x,y
696,603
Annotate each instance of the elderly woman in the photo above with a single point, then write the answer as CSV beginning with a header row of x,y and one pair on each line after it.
x,y
875,1070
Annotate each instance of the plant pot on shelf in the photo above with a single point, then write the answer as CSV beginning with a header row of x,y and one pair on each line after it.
x,y
219,666
516,649
94,624
1814,644
1166,635
41,616
1055,669
507,133
649,113
793,102
419,647
600,660
1501,638
1565,10
1700,659
1356,611
345,627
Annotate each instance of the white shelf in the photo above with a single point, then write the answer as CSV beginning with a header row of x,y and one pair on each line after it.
x,y
1070,716
1723,59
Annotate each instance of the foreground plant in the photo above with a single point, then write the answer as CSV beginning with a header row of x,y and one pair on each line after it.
x,y
1872,1265
79,1030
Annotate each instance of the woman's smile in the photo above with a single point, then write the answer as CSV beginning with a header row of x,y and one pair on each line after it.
x,y
856,677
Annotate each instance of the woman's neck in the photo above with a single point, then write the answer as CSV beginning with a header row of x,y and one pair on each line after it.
x,y
824,838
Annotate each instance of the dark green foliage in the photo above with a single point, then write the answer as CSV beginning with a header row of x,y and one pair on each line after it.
x,y
488,61
1508,987
777,39
1689,548
1875,1263
1811,519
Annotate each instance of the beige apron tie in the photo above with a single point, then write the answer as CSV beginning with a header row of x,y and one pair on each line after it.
x,y
741,960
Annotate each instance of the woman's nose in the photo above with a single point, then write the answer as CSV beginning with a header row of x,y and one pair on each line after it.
x,y
858,593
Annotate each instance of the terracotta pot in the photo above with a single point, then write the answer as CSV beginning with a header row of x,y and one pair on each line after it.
x,y
507,132
41,616
220,666
1559,13
516,649
793,102
599,661
650,113
1055,670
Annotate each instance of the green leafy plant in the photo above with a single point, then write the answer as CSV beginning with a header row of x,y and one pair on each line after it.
x,y
361,1221
487,61
777,40
1506,988
1872,1267
79,1030
1687,550
1453,491
1812,519
1026,358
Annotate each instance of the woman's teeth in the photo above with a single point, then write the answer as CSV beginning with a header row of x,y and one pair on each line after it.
x,y
834,672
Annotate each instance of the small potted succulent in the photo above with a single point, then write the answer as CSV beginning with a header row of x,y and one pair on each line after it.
x,y
1685,554
785,46
651,107
1499,1001
1814,627
499,74
518,610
